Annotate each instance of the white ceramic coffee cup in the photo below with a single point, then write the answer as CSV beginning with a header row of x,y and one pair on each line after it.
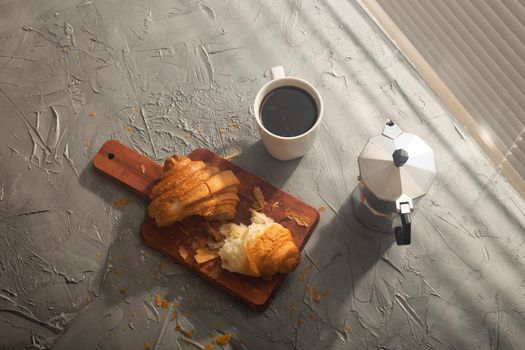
x,y
280,147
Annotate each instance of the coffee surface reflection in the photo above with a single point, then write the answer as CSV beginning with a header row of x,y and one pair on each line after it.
x,y
288,111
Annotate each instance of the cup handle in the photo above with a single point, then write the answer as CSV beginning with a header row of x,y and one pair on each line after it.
x,y
277,72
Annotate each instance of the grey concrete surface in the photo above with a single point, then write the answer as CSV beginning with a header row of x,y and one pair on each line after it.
x,y
168,76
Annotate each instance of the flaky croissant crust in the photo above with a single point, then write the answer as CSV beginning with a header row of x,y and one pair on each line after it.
x,y
271,252
192,188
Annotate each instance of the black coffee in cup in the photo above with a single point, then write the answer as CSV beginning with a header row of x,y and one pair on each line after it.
x,y
288,111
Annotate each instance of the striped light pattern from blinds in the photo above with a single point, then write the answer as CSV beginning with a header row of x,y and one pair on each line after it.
x,y
477,48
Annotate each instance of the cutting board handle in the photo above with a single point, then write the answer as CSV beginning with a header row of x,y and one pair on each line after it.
x,y
127,167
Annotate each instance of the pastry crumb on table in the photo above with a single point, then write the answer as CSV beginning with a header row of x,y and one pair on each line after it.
x,y
183,252
295,216
260,202
212,231
205,254
122,202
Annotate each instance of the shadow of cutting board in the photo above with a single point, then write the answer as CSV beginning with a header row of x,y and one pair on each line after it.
x,y
140,174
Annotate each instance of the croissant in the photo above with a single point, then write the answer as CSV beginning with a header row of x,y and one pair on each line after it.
x,y
193,188
260,250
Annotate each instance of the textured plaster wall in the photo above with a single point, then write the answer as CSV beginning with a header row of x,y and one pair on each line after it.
x,y
169,76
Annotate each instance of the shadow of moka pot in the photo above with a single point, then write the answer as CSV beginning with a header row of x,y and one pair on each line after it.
x,y
395,169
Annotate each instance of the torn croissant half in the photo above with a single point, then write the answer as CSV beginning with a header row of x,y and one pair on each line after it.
x,y
260,250
193,188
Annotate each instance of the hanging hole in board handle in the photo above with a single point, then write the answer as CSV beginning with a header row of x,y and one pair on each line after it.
x,y
111,156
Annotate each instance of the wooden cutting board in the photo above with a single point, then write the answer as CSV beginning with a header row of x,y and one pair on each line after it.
x,y
140,174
